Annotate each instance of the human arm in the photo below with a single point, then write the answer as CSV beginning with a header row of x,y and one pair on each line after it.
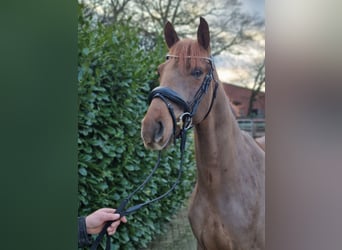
x,y
97,220
84,238
94,222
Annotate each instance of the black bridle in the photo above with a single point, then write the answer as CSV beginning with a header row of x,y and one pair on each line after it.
x,y
190,108
185,123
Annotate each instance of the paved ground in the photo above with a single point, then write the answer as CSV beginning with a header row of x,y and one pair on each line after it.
x,y
178,237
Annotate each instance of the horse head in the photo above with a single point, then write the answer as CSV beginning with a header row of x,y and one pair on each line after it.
x,y
185,87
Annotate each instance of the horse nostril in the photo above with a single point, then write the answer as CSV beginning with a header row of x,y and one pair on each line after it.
x,y
159,132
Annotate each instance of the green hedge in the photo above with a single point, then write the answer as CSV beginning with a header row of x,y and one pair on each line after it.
x,y
115,75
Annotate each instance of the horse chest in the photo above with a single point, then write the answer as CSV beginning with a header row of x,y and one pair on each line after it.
x,y
216,228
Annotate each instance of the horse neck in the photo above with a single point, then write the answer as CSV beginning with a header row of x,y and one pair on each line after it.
x,y
216,140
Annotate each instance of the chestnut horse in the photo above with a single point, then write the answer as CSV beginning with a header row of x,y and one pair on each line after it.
x,y
227,209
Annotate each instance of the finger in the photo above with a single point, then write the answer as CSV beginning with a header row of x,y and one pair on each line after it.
x,y
112,228
115,224
110,216
110,211
107,210
123,219
111,231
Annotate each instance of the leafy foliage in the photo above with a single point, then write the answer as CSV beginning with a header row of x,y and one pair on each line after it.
x,y
115,75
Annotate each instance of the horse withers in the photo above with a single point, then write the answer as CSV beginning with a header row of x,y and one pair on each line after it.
x,y
227,207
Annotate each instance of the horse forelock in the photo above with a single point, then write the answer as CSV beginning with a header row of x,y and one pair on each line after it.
x,y
188,51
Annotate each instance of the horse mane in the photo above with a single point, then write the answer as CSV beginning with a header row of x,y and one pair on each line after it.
x,y
187,50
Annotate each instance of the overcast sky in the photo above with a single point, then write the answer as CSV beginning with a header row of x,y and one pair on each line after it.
x,y
255,6
236,69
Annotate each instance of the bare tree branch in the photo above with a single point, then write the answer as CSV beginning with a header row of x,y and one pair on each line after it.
x,y
259,81
228,24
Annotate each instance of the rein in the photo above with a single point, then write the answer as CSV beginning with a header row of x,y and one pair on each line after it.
x,y
121,208
185,124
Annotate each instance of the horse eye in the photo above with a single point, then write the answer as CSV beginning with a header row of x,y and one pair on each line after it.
x,y
167,58
197,73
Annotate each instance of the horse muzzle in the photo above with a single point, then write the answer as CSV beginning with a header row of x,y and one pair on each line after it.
x,y
157,126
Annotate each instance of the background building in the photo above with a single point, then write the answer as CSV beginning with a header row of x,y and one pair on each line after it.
x,y
239,99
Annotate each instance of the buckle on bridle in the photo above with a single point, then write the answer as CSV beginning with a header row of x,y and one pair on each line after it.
x,y
185,121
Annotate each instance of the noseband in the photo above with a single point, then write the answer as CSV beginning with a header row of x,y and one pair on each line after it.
x,y
167,94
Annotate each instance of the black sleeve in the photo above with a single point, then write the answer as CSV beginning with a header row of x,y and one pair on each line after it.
x,y
84,238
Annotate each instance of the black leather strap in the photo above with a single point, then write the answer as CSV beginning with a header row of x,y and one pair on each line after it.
x,y
169,94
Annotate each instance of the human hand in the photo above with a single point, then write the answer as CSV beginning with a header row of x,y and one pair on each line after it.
x,y
96,220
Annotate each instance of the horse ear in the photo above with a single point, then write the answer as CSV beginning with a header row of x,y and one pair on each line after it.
x,y
170,35
203,36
